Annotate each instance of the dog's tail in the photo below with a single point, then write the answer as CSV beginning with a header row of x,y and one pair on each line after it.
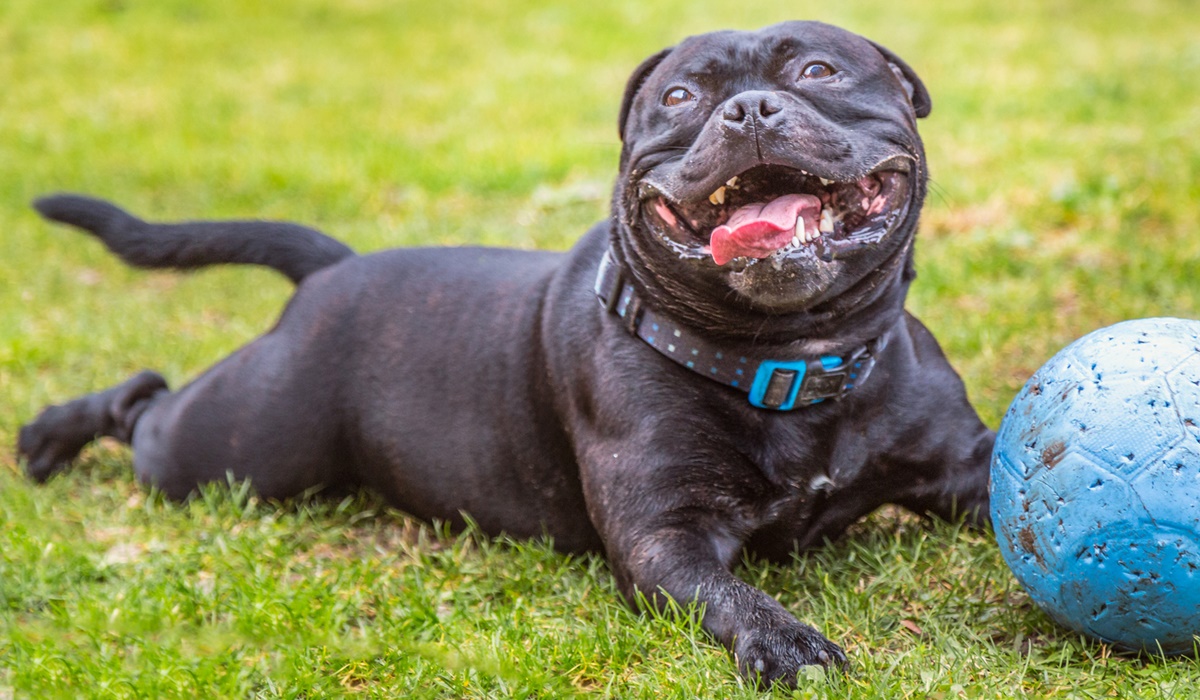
x,y
296,251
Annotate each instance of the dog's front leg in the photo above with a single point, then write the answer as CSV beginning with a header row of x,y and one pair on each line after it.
x,y
674,532
768,642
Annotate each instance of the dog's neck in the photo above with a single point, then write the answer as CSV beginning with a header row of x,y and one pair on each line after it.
x,y
777,378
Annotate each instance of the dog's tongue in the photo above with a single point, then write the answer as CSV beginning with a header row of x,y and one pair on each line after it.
x,y
756,230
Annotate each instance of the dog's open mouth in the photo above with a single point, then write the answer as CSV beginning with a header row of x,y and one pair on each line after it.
x,y
774,210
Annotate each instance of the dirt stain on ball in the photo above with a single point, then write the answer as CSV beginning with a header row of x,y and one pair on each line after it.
x,y
1028,541
1053,454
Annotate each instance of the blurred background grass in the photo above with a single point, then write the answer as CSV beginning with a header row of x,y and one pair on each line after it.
x,y
1066,196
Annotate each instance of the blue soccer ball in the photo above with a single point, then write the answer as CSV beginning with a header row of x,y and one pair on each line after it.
x,y
1095,489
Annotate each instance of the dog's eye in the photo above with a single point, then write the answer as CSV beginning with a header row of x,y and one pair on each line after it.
x,y
677,96
817,69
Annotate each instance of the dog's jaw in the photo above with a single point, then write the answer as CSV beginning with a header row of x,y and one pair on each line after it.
x,y
823,239
778,213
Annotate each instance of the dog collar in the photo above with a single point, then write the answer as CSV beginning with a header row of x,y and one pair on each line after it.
x,y
772,383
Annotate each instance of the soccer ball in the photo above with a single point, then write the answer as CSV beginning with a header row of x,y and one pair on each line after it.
x,y
1095,485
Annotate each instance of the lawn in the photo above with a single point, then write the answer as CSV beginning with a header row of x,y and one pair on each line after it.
x,y
1065,197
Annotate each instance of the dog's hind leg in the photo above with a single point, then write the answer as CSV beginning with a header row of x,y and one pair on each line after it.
x,y
56,437
268,413
265,414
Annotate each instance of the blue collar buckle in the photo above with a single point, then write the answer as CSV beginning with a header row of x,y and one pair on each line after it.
x,y
782,384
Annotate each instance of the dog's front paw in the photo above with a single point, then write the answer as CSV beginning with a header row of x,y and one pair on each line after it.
x,y
775,654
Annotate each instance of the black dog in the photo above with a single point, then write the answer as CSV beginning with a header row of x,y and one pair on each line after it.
x,y
749,378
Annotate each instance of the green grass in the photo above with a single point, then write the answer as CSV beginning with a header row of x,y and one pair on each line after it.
x,y
1066,196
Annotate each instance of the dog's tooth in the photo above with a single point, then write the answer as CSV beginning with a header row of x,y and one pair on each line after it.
x,y
718,196
795,241
824,182
732,183
826,221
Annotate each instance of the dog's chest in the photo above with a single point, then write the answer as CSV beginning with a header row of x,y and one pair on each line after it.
x,y
810,462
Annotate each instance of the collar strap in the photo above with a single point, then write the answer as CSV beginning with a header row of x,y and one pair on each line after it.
x,y
772,383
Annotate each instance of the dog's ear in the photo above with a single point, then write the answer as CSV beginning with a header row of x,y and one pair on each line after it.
x,y
917,94
635,83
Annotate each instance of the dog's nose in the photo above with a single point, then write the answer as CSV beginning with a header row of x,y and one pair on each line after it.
x,y
753,104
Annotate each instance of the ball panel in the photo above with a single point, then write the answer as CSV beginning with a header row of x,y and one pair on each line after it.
x,y
1003,461
1035,429
1011,516
1123,421
1040,521
1138,348
1135,586
1184,382
1170,489
1080,496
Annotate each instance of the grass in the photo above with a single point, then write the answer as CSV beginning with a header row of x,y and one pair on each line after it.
x,y
1066,196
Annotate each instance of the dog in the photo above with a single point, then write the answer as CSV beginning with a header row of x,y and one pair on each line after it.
x,y
725,364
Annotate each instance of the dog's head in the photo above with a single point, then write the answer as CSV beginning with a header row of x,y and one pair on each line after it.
x,y
776,170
